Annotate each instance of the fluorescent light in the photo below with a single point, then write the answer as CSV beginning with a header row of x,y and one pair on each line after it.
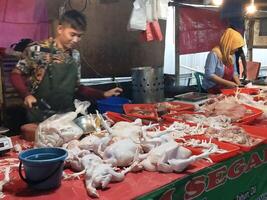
x,y
217,2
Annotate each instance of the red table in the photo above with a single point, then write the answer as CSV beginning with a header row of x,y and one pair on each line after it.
x,y
134,185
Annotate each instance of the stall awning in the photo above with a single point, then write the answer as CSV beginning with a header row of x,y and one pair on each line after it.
x,y
199,30
22,19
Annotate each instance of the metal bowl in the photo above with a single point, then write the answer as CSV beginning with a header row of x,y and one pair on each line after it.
x,y
86,123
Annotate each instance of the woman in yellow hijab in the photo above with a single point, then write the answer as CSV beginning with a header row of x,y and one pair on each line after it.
x,y
219,68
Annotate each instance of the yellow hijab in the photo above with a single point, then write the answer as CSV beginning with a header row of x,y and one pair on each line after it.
x,y
229,41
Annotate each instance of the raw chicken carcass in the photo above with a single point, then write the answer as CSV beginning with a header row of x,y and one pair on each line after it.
x,y
94,143
121,153
131,130
75,155
169,150
228,106
170,157
99,174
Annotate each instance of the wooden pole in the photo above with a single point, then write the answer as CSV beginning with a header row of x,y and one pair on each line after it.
x,y
177,49
175,4
251,23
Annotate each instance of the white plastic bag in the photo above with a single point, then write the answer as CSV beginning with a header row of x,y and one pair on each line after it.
x,y
162,9
138,16
151,10
60,128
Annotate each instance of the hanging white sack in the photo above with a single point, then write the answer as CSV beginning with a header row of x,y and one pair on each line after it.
x,y
138,16
151,10
162,9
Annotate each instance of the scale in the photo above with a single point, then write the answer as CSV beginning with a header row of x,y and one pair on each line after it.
x,y
5,142
193,98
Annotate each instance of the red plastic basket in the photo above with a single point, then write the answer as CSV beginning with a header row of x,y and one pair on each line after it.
x,y
243,147
250,117
232,91
256,131
136,110
249,148
232,150
117,117
259,122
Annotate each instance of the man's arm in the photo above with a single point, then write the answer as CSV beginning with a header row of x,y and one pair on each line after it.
x,y
19,83
98,94
90,92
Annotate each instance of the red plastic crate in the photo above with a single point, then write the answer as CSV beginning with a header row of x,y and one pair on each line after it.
x,y
117,117
256,131
250,117
258,122
243,147
232,91
233,150
249,148
132,109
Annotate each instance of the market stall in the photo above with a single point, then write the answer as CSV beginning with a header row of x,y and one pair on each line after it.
x,y
237,153
190,146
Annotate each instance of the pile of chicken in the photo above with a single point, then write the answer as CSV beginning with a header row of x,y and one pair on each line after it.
x,y
226,106
115,149
220,121
106,156
233,134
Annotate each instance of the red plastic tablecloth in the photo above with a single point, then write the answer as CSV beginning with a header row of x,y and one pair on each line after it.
x,y
134,185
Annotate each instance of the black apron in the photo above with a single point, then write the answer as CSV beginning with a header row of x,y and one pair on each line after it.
x,y
56,89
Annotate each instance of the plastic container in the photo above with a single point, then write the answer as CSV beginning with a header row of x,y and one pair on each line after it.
x,y
28,131
232,150
113,104
42,167
255,113
142,111
233,91
256,131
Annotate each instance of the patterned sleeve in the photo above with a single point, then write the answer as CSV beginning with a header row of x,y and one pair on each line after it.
x,y
23,65
32,57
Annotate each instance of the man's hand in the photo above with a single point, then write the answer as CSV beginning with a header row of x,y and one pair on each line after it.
x,y
113,92
29,101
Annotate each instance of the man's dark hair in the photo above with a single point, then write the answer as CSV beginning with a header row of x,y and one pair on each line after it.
x,y
75,19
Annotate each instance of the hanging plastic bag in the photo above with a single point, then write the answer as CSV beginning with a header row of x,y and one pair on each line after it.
x,y
162,9
147,35
60,128
138,16
156,31
153,32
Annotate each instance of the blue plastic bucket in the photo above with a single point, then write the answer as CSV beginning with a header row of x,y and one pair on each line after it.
x,y
114,104
43,167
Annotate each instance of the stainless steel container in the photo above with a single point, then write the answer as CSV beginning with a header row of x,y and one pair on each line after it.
x,y
148,84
